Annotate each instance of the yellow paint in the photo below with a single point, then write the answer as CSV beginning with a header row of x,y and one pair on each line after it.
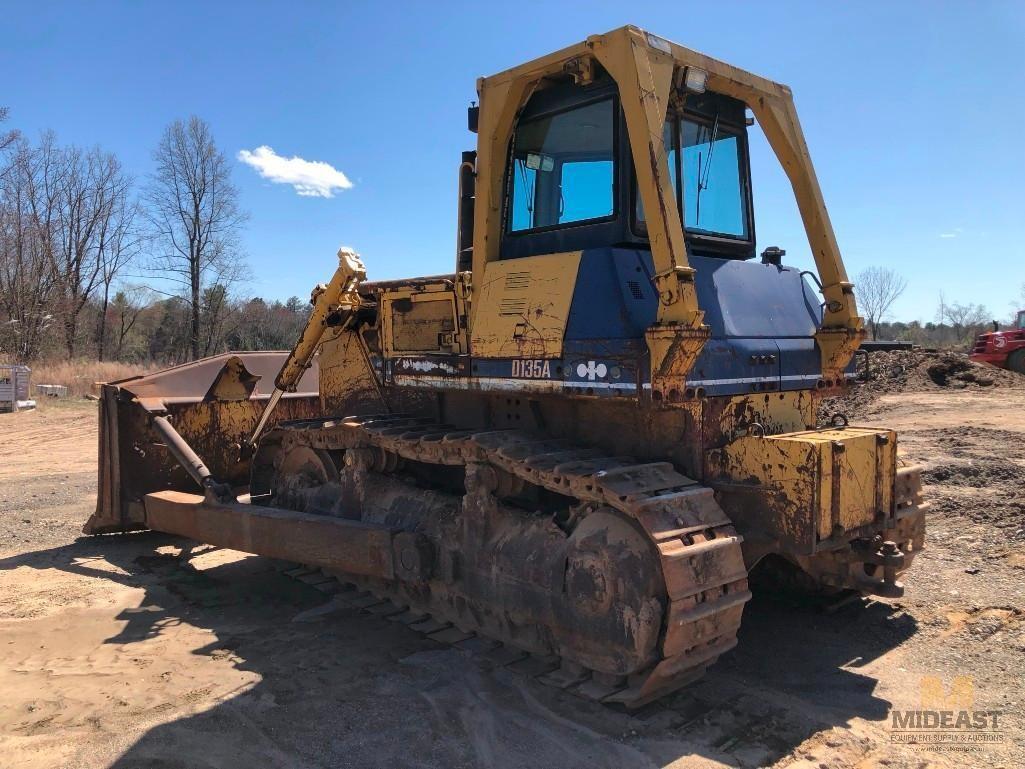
x,y
836,479
673,348
523,306
347,382
778,412
837,345
857,467
339,299
421,319
644,76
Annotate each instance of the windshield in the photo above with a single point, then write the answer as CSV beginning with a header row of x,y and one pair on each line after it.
x,y
709,158
1021,319
562,168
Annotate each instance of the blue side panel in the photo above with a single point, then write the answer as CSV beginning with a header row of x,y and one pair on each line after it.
x,y
613,297
613,302
733,365
751,299
800,366
763,320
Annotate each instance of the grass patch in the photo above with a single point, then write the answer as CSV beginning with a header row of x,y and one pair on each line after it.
x,y
81,376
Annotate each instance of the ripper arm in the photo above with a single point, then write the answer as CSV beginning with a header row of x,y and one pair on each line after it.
x,y
334,305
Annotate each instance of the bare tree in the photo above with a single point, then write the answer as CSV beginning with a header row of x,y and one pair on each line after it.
x,y
196,217
92,196
63,222
118,245
28,282
878,289
128,305
966,319
7,138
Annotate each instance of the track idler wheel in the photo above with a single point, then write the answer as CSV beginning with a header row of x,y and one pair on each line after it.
x,y
305,479
610,611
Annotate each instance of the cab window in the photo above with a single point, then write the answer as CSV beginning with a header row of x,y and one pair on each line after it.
x,y
563,168
712,170
708,158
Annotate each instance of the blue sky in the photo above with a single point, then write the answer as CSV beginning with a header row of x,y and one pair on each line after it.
x,y
913,113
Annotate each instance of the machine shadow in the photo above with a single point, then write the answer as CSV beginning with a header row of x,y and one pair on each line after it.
x,y
340,688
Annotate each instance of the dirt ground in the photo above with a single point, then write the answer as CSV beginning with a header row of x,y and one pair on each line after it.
x,y
146,650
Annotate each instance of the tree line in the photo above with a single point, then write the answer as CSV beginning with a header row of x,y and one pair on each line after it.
x,y
956,324
95,263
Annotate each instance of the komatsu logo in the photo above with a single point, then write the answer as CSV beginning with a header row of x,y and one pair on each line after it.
x,y
592,370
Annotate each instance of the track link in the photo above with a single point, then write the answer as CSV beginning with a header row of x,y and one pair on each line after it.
x,y
698,548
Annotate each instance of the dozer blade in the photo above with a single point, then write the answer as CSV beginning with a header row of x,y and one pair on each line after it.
x,y
213,403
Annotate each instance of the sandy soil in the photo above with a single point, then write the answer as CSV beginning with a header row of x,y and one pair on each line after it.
x,y
149,651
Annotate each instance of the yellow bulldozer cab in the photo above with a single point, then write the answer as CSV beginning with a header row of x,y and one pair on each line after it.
x,y
651,73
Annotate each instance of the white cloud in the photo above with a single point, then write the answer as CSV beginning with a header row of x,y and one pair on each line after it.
x,y
956,232
310,178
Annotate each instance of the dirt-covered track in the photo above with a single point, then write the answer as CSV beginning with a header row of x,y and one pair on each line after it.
x,y
699,559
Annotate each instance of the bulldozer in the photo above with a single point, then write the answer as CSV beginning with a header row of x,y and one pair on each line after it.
x,y
579,443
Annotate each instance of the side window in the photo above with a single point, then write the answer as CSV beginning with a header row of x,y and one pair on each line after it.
x,y
712,169
563,168
524,185
671,153
586,190
712,195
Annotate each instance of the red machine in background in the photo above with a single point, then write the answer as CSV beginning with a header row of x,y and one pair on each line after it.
x,y
1004,349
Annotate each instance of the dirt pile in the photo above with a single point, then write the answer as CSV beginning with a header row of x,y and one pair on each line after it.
x,y
900,371
957,371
